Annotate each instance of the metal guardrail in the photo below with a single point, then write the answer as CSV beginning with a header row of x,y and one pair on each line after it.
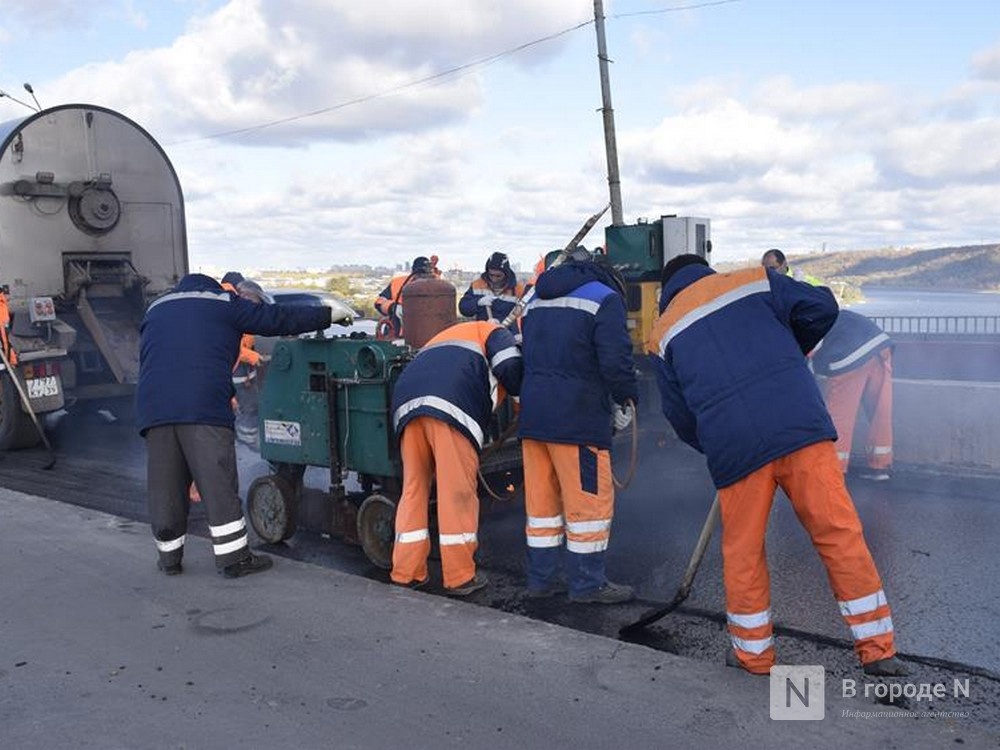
x,y
939,325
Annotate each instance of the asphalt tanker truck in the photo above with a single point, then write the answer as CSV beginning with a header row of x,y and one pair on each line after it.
x,y
91,229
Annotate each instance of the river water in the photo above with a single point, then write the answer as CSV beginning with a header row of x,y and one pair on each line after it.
x,y
892,301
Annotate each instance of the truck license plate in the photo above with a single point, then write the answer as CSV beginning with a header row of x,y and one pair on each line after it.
x,y
43,387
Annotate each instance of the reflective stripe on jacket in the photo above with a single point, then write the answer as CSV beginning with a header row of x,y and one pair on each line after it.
x,y
501,302
459,377
852,341
577,357
733,378
189,341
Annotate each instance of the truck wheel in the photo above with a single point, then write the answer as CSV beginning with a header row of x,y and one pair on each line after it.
x,y
16,428
377,529
273,507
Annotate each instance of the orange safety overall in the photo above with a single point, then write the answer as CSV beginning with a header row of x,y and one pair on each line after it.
x,y
870,387
568,495
431,446
8,350
813,482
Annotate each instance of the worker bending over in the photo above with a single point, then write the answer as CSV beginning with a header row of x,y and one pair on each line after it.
x,y
441,408
854,362
735,385
578,373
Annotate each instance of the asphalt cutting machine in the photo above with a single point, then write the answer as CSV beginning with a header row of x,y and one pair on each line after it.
x,y
326,403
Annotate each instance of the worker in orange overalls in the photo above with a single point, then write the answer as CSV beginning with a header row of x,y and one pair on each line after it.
x,y
441,408
854,361
5,321
390,301
730,356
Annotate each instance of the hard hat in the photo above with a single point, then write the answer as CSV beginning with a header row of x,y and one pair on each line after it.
x,y
421,264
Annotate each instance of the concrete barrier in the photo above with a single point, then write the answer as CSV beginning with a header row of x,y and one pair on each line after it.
x,y
947,426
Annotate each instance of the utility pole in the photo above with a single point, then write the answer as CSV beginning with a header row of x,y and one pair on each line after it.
x,y
610,145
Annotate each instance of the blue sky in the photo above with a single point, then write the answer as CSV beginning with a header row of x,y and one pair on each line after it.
x,y
805,125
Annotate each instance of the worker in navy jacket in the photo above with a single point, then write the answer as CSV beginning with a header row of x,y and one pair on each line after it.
x,y
493,295
730,354
578,371
441,408
854,362
190,338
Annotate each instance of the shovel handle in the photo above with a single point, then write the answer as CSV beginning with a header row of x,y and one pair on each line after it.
x,y
699,549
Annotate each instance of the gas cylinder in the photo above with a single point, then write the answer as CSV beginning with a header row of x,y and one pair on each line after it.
x,y
429,306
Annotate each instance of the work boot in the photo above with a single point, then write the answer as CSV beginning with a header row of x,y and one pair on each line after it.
x,y
891,667
732,660
546,592
414,584
478,581
609,593
248,566
171,570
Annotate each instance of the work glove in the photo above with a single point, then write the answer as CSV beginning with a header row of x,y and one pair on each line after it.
x,y
486,300
622,416
396,310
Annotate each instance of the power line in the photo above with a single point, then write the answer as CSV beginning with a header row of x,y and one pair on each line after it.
x,y
395,89
674,9
456,71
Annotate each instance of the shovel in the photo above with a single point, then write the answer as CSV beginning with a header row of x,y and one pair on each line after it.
x,y
27,407
685,588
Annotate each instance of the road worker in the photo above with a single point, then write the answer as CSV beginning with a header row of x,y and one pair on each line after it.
x,y
730,352
441,408
245,385
5,321
189,339
493,295
775,260
390,301
579,378
854,362
246,380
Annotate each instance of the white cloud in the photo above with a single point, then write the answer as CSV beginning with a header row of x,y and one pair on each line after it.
x,y
944,152
986,64
257,61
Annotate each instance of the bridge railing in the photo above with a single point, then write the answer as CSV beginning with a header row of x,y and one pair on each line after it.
x,y
939,325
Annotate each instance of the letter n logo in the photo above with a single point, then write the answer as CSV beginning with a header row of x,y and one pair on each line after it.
x,y
798,693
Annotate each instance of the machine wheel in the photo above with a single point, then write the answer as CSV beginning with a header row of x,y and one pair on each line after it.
x,y
273,507
16,428
377,529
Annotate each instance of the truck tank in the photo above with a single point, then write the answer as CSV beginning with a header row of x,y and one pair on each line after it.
x,y
91,229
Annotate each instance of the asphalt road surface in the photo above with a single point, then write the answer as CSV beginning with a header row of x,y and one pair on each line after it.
x,y
933,538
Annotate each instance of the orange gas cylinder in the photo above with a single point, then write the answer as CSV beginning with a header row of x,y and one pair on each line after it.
x,y
429,306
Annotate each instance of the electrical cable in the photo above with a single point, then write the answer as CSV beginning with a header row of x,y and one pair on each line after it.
x,y
435,77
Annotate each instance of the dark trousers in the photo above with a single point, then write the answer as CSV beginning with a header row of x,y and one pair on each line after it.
x,y
205,454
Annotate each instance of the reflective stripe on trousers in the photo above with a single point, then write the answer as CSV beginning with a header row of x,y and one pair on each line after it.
x,y
568,495
814,484
868,387
425,445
